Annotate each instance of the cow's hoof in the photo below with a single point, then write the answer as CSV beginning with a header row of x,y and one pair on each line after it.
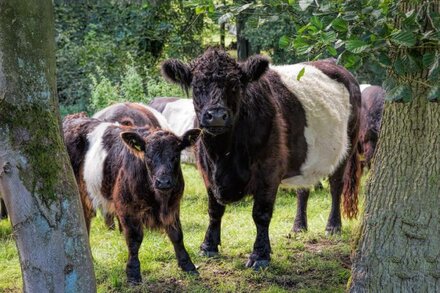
x,y
298,228
208,251
194,272
134,281
333,230
256,265
189,267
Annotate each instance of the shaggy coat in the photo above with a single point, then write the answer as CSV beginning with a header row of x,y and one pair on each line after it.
x,y
373,98
130,114
263,126
131,172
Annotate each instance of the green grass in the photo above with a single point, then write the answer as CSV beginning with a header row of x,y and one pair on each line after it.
x,y
307,262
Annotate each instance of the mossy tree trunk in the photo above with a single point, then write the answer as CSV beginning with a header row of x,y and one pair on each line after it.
x,y
398,246
36,179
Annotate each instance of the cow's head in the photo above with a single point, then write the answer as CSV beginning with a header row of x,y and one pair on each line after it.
x,y
218,84
161,152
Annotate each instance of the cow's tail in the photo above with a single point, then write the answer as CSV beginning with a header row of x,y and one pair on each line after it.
x,y
353,168
350,191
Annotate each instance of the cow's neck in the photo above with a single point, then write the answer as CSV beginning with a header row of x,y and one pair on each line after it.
x,y
219,146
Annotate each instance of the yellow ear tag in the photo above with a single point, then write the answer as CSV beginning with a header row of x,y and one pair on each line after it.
x,y
136,146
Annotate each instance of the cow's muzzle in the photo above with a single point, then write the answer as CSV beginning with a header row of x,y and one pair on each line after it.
x,y
164,183
216,121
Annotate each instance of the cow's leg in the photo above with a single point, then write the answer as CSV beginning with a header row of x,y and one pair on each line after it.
x,y
176,236
262,214
3,211
210,245
133,232
334,223
300,223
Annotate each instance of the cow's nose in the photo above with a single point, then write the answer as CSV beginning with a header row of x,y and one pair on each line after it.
x,y
163,183
216,117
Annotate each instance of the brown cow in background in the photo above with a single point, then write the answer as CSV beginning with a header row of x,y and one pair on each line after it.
x,y
373,98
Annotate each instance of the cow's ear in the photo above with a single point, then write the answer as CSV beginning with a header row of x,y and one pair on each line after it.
x,y
176,71
254,67
134,141
190,137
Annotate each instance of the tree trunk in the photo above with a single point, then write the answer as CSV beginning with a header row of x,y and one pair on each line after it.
x,y
243,44
36,179
223,30
398,247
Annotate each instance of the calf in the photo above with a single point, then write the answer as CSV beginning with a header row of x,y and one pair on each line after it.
x,y
130,114
292,124
134,173
373,98
180,116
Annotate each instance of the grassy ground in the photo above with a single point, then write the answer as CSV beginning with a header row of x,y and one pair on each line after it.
x,y
308,262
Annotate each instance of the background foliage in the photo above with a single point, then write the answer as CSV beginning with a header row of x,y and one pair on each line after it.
x,y
102,44
97,40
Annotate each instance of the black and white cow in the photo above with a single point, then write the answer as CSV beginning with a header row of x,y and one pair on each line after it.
x,y
264,126
133,173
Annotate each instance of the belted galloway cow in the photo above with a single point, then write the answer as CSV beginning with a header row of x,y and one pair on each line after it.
x,y
265,125
133,173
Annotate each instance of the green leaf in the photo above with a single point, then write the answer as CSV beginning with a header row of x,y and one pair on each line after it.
x,y
304,4
401,93
404,38
332,51
384,59
292,2
200,9
399,66
434,94
284,42
300,73
356,46
328,37
428,59
350,60
316,22
340,25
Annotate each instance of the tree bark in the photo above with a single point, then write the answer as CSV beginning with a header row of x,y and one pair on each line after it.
x,y
36,179
223,30
398,245
243,44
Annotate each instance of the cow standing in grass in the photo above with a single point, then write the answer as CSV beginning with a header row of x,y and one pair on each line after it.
x,y
292,124
134,173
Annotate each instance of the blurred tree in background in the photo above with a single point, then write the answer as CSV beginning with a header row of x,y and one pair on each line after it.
x,y
100,34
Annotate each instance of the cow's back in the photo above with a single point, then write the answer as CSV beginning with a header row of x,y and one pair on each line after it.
x,y
180,115
132,114
319,137
159,103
